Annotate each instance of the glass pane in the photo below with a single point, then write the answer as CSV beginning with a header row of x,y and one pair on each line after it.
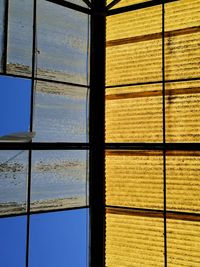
x,y
134,179
183,112
62,43
134,47
134,114
2,9
15,95
20,37
13,181
61,113
59,179
183,243
134,240
13,242
182,40
183,181
59,239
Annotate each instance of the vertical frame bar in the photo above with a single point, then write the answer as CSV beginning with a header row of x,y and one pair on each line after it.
x,y
97,139
31,128
5,45
164,134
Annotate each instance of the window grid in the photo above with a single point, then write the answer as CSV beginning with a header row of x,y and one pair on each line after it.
x,y
31,146
164,147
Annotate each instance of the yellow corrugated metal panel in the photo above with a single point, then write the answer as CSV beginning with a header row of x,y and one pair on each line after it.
x,y
134,179
123,3
183,243
182,14
134,62
183,181
134,113
183,112
134,23
182,56
129,119
182,51
134,44
134,241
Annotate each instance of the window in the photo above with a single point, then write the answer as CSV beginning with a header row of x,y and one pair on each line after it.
x,y
99,133
44,166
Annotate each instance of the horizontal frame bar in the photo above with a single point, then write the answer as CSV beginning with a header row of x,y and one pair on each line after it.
x,y
153,146
113,3
42,212
134,7
43,80
71,6
107,146
108,86
153,82
43,146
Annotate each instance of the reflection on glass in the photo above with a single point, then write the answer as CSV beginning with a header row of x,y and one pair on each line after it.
x,y
60,113
2,8
59,179
15,95
13,241
20,37
13,181
59,239
62,43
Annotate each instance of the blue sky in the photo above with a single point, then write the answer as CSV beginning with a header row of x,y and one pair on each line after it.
x,y
57,239
14,104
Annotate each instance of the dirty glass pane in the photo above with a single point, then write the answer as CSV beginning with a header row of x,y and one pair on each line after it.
x,y
59,239
2,9
20,37
13,181
62,43
59,179
13,241
60,113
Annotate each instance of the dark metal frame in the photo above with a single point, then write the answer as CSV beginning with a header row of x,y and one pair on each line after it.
x,y
97,146
97,139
